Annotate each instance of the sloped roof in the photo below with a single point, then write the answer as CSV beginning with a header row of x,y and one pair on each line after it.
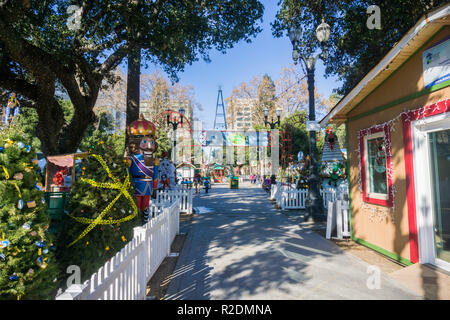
x,y
406,47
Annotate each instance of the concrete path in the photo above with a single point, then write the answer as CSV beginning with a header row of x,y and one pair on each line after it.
x,y
246,249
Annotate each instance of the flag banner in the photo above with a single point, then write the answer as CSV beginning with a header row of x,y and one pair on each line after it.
x,y
214,138
221,138
252,138
263,140
235,138
199,138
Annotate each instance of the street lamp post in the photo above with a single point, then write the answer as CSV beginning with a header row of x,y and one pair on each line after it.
x,y
175,123
272,125
323,33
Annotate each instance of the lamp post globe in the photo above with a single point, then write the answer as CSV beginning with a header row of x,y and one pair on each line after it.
x,y
278,112
323,32
294,34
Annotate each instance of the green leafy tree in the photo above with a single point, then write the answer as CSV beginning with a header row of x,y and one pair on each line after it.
x,y
164,144
27,264
41,57
266,96
87,201
354,49
296,124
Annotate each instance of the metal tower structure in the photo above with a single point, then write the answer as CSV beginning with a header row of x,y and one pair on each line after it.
x,y
220,113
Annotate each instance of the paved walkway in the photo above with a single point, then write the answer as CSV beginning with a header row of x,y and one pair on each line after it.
x,y
246,249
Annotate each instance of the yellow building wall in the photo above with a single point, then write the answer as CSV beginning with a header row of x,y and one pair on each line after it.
x,y
389,229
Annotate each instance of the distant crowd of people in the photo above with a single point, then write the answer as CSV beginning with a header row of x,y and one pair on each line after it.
x,y
265,181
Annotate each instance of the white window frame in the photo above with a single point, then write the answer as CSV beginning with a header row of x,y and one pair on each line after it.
x,y
422,182
373,195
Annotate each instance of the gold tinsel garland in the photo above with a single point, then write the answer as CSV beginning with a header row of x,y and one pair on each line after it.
x,y
117,185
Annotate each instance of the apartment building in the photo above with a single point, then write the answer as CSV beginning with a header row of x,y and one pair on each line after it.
x,y
240,114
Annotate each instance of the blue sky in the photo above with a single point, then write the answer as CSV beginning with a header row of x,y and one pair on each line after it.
x,y
265,54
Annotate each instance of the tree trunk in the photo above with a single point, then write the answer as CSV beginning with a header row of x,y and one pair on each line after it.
x,y
74,132
49,125
133,85
50,113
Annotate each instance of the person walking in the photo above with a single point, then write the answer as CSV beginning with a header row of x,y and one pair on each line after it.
x,y
207,185
197,182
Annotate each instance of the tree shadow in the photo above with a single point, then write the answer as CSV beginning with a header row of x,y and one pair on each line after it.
x,y
247,249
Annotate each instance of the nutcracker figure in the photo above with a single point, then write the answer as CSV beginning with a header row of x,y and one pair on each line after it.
x,y
142,166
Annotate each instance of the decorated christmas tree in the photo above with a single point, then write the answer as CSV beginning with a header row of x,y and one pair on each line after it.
x,y
27,265
332,162
101,213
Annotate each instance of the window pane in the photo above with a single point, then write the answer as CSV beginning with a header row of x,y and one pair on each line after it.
x,y
439,147
376,151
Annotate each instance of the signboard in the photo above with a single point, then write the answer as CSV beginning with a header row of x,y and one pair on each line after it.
x,y
436,63
312,126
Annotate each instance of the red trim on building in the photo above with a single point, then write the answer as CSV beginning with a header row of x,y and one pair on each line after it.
x,y
387,137
407,117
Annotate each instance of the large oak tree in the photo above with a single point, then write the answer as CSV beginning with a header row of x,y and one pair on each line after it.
x,y
41,59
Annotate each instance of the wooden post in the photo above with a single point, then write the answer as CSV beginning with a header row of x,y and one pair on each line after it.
x,y
330,219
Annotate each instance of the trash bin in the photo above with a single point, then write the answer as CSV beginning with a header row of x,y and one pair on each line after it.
x,y
56,201
234,183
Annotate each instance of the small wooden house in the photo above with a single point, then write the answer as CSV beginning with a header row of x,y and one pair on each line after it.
x,y
186,171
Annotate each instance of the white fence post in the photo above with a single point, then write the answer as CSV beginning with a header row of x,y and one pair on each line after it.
x,y
140,233
330,219
338,219
338,212
343,208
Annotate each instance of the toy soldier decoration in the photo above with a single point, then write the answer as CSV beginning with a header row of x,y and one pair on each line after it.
x,y
142,166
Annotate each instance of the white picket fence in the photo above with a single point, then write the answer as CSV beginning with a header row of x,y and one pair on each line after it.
x,y
287,197
185,195
293,199
125,276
